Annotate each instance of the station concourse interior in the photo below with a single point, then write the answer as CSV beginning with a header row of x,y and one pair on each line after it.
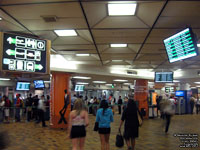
x,y
102,54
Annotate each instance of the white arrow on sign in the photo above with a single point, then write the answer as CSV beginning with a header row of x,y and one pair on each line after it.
x,y
9,40
40,67
9,51
30,55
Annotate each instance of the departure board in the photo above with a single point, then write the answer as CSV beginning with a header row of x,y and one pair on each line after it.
x,y
181,46
23,54
163,77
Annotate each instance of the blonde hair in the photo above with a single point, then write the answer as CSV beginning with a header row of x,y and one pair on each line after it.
x,y
78,106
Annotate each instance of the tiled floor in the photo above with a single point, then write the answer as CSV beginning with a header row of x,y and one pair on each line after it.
x,y
30,136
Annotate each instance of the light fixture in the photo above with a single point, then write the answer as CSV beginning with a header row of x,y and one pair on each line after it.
x,y
176,81
1,18
80,77
4,79
47,81
198,45
151,83
117,60
119,80
83,83
99,81
108,84
66,32
197,82
118,45
121,9
127,83
193,87
82,54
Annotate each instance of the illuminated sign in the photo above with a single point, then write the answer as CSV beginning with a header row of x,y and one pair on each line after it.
x,y
163,77
23,54
181,46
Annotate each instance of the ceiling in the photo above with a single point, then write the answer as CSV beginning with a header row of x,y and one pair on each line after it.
x,y
144,33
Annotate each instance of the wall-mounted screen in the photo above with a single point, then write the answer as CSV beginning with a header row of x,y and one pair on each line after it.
x,y
181,46
79,88
163,77
179,93
23,54
23,86
38,84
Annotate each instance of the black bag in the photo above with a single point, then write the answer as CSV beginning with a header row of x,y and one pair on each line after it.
x,y
119,140
96,126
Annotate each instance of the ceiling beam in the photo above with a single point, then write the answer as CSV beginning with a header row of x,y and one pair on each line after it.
x,y
3,10
89,28
148,34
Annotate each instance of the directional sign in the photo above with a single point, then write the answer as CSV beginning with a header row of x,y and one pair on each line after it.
x,y
22,53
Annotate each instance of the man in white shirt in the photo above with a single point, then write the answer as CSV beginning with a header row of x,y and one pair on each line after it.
x,y
41,110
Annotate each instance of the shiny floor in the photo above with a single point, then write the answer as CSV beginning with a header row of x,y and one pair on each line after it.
x,y
31,136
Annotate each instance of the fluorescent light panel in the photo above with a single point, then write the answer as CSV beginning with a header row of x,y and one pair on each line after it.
x,y
117,60
108,84
99,81
197,82
66,32
82,54
128,83
121,9
83,83
176,81
1,18
47,81
4,79
119,80
198,45
80,77
118,45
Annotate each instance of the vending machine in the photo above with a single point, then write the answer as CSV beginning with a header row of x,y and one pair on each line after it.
x,y
182,102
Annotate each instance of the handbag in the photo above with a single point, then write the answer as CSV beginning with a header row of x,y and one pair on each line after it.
x,y
119,140
139,119
96,126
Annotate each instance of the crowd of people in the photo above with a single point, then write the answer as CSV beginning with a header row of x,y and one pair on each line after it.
x,y
33,108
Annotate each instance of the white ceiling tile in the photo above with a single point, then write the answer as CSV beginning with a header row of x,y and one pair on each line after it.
x,y
46,35
70,40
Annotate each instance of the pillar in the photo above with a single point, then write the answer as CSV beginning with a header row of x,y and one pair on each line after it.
x,y
59,82
141,95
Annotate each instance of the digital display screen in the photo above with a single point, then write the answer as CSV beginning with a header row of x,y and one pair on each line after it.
x,y
79,88
181,46
179,93
39,84
23,54
169,89
23,86
163,77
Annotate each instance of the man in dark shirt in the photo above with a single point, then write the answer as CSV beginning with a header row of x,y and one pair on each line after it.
x,y
119,104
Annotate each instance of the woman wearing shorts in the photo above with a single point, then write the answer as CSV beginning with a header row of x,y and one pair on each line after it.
x,y
104,117
78,120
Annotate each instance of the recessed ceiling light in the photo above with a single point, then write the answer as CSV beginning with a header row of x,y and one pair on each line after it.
x,y
121,9
83,83
176,81
128,83
66,32
4,79
99,81
1,18
118,45
117,60
197,82
151,83
108,84
80,77
198,45
119,80
47,81
82,54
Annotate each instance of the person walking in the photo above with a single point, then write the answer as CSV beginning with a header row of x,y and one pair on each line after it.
x,y
18,106
119,102
131,124
7,109
104,117
41,110
192,102
78,121
29,103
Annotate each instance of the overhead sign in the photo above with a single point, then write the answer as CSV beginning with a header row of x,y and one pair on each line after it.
x,y
181,46
24,54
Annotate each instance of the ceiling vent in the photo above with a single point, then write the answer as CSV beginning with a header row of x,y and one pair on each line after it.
x,y
49,18
131,72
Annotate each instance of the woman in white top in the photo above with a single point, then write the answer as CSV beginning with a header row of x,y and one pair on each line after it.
x,y
78,120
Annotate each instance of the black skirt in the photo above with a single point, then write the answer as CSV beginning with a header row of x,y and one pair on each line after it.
x,y
104,130
130,133
77,132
